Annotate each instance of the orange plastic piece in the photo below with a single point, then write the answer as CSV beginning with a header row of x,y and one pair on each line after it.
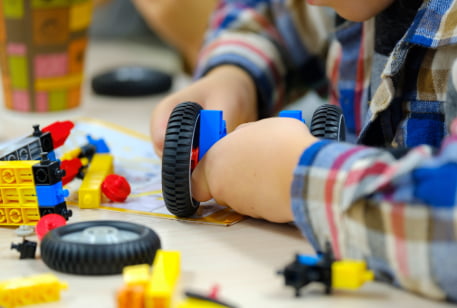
x,y
131,296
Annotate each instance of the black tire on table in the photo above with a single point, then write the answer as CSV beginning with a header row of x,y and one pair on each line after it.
x,y
180,138
100,247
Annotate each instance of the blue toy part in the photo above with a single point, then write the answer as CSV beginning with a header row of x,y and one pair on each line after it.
x,y
50,195
308,260
212,129
52,156
100,144
295,114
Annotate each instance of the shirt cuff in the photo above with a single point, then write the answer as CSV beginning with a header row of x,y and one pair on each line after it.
x,y
312,206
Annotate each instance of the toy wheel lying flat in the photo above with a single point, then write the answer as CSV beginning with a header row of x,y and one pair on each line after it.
x,y
181,145
328,123
98,247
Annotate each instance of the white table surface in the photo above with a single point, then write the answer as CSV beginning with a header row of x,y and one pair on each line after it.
x,y
241,259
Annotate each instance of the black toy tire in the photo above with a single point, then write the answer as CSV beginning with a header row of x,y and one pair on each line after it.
x,y
180,138
328,123
65,255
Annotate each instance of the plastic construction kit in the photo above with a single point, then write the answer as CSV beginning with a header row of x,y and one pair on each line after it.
x,y
192,131
31,177
31,189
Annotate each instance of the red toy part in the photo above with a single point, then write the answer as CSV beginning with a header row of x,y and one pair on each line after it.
x,y
71,168
116,188
60,131
47,223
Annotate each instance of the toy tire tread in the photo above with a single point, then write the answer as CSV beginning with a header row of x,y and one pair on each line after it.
x,y
83,258
176,160
328,123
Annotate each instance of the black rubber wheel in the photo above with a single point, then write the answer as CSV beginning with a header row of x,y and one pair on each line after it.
x,y
180,141
328,123
100,247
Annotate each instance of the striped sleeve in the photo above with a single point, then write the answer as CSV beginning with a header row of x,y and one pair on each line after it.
x,y
398,214
261,36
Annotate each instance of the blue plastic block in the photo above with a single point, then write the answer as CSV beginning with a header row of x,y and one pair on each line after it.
x,y
308,260
212,128
51,195
296,114
100,144
52,156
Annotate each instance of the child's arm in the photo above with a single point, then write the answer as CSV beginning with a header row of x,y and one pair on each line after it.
x,y
226,88
260,39
397,213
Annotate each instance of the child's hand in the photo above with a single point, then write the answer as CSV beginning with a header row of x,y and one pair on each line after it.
x,y
227,88
251,169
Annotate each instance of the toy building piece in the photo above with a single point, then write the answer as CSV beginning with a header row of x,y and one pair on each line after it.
x,y
99,144
166,270
28,148
197,300
81,248
46,140
116,188
47,177
43,288
27,249
24,230
306,269
345,274
72,168
47,223
89,194
132,294
60,131
350,274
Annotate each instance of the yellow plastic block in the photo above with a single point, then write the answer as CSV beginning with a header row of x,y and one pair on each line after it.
x,y
136,274
166,270
89,194
19,172
23,195
31,290
30,216
17,216
28,196
70,154
350,274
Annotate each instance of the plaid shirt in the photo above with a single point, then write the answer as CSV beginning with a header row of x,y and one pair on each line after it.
x,y
397,213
